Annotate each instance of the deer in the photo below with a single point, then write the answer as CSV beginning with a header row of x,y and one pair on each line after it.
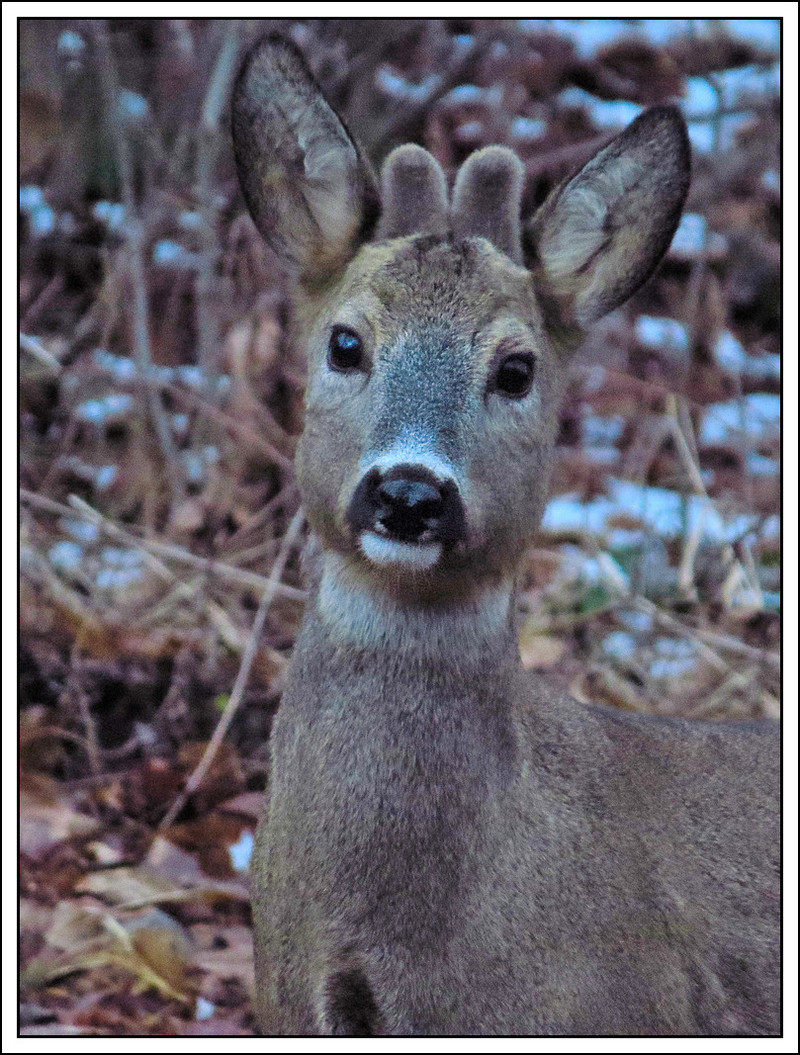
x,y
451,846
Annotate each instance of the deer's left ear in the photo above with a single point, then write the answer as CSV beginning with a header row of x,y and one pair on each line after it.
x,y
600,235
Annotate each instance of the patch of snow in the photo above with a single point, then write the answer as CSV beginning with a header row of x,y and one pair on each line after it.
x,y
167,253
204,1010
763,31
119,557
606,113
242,851
771,180
65,555
601,455
41,221
132,106
110,213
699,99
756,416
71,44
99,411
677,656
771,528
528,129
191,220
658,332
395,85
470,130
588,35
639,622
105,477
738,84
666,513
620,644
180,423
693,237
30,197
117,578
599,431
83,530
660,31
120,367
758,465
701,136
731,355
191,376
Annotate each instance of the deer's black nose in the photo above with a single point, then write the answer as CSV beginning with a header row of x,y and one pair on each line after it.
x,y
408,508
408,504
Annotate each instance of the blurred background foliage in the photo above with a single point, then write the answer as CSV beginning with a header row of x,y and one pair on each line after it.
x,y
161,397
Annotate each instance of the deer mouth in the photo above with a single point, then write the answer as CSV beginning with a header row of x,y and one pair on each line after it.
x,y
385,551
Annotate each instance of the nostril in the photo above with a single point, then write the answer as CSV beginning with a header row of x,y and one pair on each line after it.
x,y
418,497
408,508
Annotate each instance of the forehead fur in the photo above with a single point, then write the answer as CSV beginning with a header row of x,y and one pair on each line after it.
x,y
445,278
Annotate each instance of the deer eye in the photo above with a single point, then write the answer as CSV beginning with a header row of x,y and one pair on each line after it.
x,y
514,375
345,351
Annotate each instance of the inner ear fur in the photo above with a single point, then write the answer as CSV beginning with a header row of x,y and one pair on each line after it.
x,y
413,193
487,199
600,235
309,189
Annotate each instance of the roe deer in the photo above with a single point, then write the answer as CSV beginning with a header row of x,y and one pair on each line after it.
x,y
451,847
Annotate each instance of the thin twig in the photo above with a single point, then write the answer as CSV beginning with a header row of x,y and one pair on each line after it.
x,y
264,514
92,741
719,697
197,776
689,462
407,117
251,553
173,552
135,253
707,638
741,648
221,78
74,689
43,300
207,142
229,423
221,417
34,347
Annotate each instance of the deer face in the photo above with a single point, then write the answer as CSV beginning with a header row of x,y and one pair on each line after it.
x,y
431,407
438,326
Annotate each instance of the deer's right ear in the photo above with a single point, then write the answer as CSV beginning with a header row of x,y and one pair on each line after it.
x,y
310,191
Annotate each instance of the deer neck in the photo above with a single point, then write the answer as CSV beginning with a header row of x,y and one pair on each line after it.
x,y
394,738
466,641
403,693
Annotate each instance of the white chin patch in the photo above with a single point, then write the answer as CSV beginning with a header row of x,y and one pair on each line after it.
x,y
389,553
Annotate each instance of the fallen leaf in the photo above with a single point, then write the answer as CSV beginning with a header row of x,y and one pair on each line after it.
x,y
130,883
43,822
248,804
153,947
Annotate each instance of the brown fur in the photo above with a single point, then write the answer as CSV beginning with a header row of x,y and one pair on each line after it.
x,y
452,847
487,199
414,193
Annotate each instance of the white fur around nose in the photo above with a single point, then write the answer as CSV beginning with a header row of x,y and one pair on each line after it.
x,y
413,449
419,556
